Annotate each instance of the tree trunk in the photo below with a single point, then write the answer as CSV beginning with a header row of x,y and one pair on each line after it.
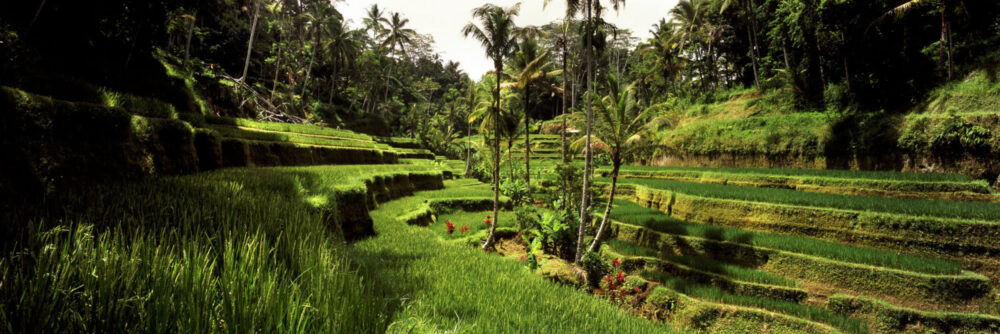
x,y
468,149
588,160
496,161
253,31
527,143
37,13
565,202
312,58
607,210
277,71
751,38
187,44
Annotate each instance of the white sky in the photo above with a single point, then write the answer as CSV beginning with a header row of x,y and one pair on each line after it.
x,y
444,20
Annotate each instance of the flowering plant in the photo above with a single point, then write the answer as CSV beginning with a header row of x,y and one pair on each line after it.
x,y
449,227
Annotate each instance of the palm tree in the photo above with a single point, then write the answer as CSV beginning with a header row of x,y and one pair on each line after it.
x,y
528,67
621,130
496,34
374,20
253,32
397,35
469,100
946,7
748,14
342,48
590,7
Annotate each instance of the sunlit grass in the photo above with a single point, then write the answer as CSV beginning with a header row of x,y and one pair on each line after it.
x,y
632,213
711,293
436,286
905,206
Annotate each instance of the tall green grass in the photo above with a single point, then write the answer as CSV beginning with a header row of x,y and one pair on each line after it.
x,y
703,264
234,132
236,250
635,214
711,293
288,127
826,173
905,206
433,285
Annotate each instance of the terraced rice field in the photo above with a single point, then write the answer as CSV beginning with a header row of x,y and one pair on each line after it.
x,y
743,237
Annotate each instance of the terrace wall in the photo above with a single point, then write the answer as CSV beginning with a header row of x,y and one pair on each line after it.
x,y
50,144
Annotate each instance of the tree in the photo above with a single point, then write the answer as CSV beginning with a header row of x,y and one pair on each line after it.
x,y
528,68
496,34
748,14
947,7
622,129
374,20
253,31
591,7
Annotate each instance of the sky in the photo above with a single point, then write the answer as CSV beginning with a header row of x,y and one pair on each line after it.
x,y
444,20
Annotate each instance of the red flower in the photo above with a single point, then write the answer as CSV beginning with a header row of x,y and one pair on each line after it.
x,y
607,278
612,287
616,262
464,229
488,222
449,227
620,276
636,290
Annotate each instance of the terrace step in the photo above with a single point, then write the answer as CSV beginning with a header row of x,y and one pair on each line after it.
x,y
906,233
735,286
879,282
943,190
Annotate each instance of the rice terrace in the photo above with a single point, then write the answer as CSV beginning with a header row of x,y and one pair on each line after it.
x,y
500,166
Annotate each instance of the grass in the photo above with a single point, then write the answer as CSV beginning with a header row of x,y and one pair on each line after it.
x,y
474,220
632,213
433,285
912,207
235,132
799,134
824,173
707,292
704,264
288,127
243,250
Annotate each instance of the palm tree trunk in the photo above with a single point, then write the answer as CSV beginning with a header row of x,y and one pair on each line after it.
x,y
589,156
253,32
496,162
187,44
564,73
565,40
468,150
527,143
607,209
37,13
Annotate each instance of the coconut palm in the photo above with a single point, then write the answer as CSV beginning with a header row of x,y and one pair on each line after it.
x,y
374,20
622,128
528,68
397,35
593,11
495,32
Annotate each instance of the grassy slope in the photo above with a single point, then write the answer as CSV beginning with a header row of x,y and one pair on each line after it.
x,y
916,207
634,214
237,249
744,122
435,285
